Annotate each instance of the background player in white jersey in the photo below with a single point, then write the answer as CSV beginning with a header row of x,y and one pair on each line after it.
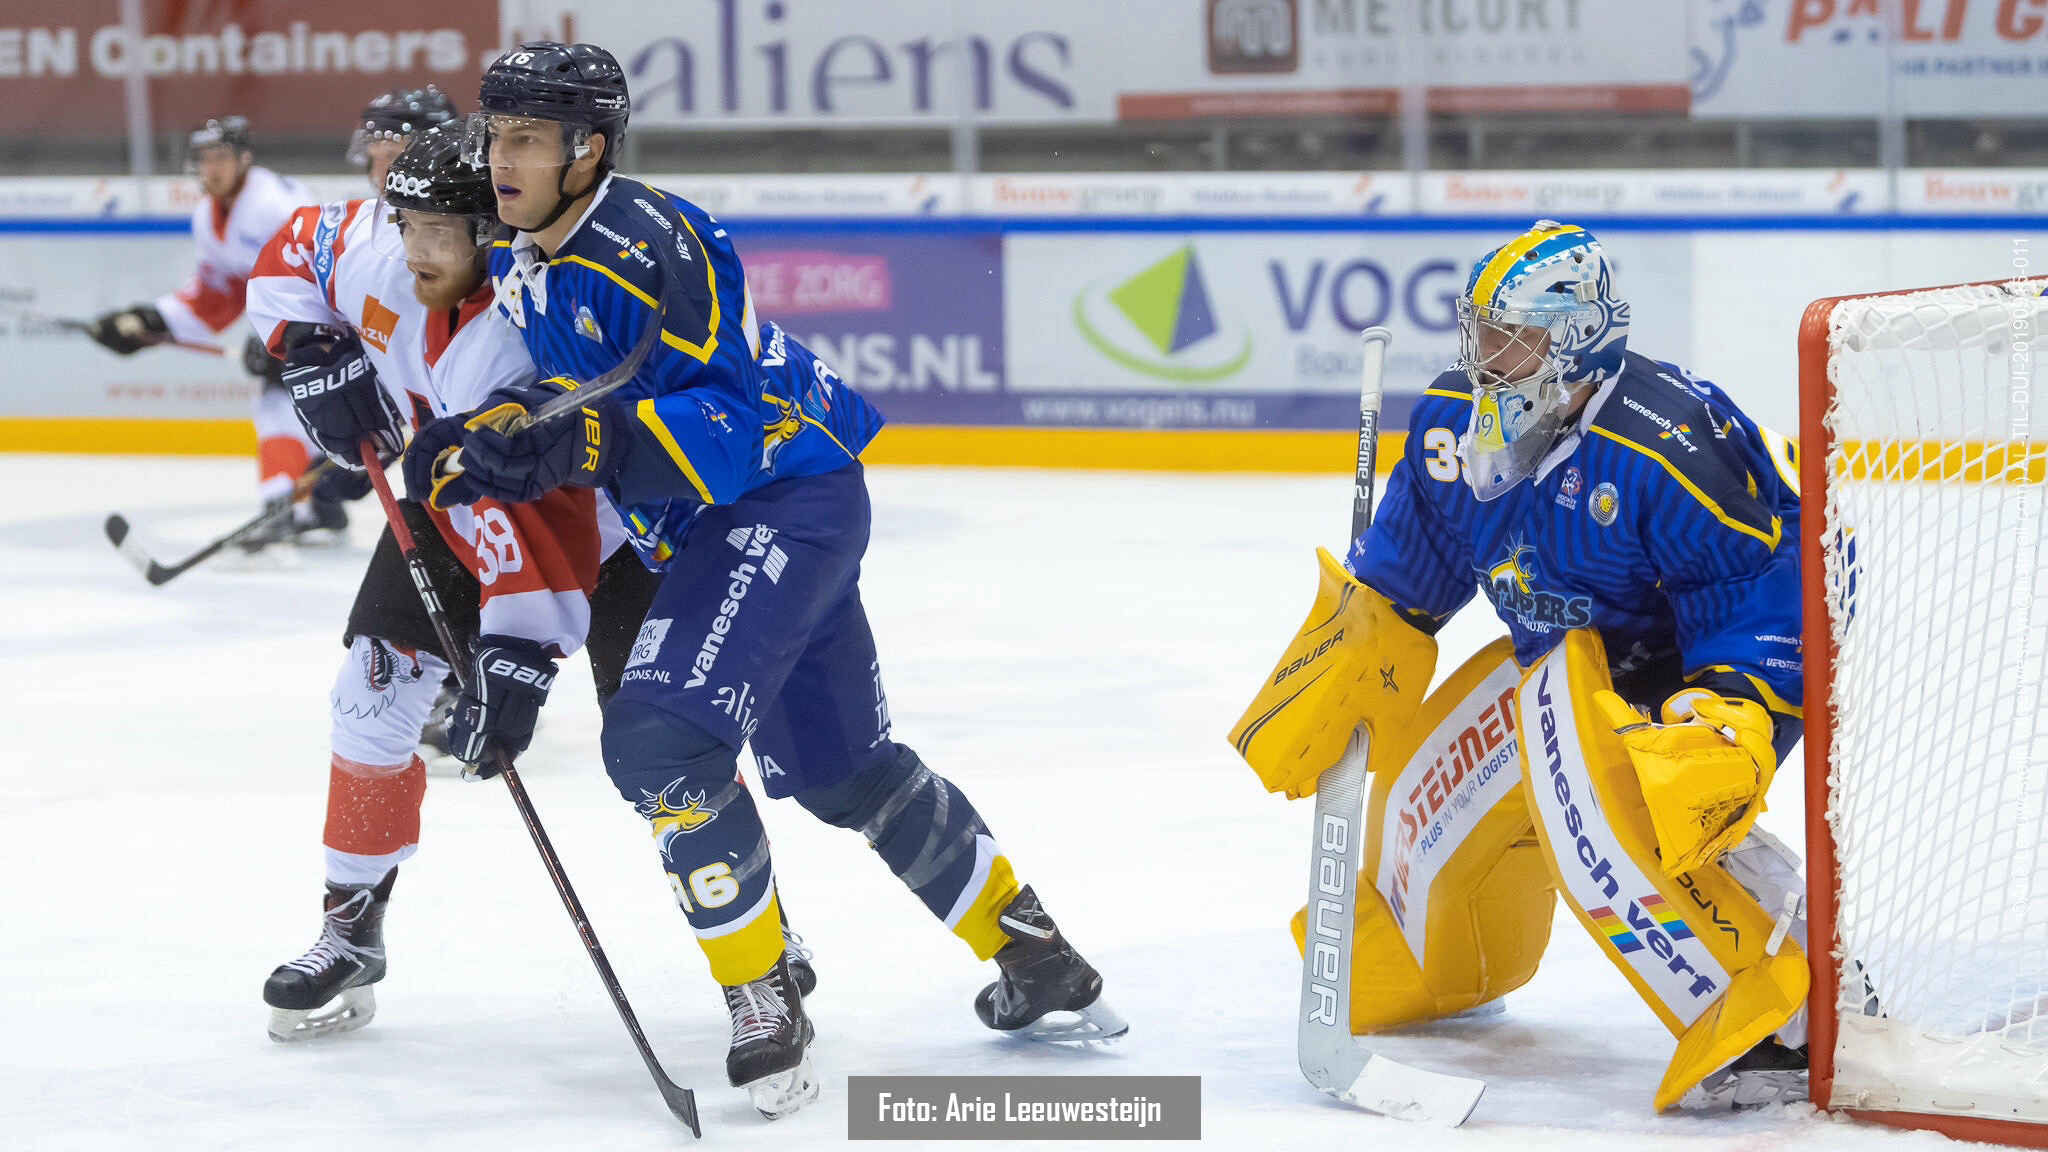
x,y
382,312
1637,533
241,207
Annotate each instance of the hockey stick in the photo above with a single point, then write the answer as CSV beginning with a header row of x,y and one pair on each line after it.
x,y
680,1100
121,535
86,328
1331,1059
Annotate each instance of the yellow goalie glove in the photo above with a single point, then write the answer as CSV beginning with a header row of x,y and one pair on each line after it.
x,y
1704,771
1354,661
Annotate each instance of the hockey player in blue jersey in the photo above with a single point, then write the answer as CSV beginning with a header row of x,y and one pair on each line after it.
x,y
1638,536
733,455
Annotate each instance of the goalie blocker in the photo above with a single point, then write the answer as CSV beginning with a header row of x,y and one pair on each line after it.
x,y
1498,792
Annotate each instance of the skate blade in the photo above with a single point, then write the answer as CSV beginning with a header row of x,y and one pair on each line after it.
x,y
783,1093
346,1013
1742,1091
1098,1023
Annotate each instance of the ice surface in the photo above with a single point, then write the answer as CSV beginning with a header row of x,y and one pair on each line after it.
x,y
1069,648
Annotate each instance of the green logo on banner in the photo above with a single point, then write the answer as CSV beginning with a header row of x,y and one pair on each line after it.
x,y
1161,322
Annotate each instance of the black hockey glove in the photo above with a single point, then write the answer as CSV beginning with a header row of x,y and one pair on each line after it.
x,y
339,485
130,330
338,400
579,448
427,480
258,362
509,681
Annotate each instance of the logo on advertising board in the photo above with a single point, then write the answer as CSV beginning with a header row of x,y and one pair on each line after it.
x,y
1161,322
1253,36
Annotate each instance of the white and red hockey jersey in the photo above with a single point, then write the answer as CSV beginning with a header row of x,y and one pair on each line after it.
x,y
228,239
536,563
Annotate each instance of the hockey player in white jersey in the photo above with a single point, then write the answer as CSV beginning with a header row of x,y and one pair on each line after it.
x,y
242,207
381,310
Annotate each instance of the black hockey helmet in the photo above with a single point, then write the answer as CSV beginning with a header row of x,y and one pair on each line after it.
x,y
395,115
220,132
580,85
431,176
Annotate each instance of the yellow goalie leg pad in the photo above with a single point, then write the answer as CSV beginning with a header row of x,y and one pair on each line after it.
x,y
1696,947
1354,661
1455,900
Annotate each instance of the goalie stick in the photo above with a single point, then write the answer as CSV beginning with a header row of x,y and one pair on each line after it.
x,y
1331,1059
122,535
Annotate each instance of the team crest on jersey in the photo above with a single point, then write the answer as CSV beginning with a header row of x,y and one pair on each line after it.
x,y
1606,504
586,324
1514,585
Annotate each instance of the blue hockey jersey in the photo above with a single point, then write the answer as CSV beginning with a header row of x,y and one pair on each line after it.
x,y
721,406
1666,519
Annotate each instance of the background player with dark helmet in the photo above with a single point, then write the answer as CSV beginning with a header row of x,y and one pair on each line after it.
x,y
386,122
733,453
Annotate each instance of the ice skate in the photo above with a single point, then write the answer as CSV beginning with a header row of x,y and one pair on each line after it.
x,y
1046,991
328,989
1767,1074
771,1040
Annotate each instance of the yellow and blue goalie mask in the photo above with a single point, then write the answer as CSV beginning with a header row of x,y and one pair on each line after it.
x,y
1539,324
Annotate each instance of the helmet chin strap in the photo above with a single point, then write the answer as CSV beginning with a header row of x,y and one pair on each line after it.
x,y
562,197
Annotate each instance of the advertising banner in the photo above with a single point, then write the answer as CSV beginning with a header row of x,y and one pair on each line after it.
x,y
287,66
915,322
55,372
1247,330
720,63
1953,58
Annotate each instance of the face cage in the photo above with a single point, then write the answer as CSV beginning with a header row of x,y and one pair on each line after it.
x,y
478,135
1514,423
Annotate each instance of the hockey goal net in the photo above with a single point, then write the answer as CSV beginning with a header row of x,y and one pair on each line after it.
x,y
1924,474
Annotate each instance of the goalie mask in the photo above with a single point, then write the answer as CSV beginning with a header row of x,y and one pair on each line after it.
x,y
1539,325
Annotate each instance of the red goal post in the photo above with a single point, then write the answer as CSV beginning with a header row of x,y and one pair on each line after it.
x,y
1924,481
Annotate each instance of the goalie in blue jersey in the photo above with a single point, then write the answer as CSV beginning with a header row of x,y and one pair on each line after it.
x,y
1638,536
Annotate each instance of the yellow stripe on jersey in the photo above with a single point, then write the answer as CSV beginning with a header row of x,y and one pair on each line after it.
x,y
1770,539
648,416
1771,699
702,352
1447,394
1497,269
744,951
978,925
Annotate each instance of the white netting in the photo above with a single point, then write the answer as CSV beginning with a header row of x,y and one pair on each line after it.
x,y
1937,504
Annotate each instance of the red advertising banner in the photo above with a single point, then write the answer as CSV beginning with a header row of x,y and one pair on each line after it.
x,y
288,66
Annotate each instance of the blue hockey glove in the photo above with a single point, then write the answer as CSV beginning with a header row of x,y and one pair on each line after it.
x,y
579,448
338,400
427,479
509,681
